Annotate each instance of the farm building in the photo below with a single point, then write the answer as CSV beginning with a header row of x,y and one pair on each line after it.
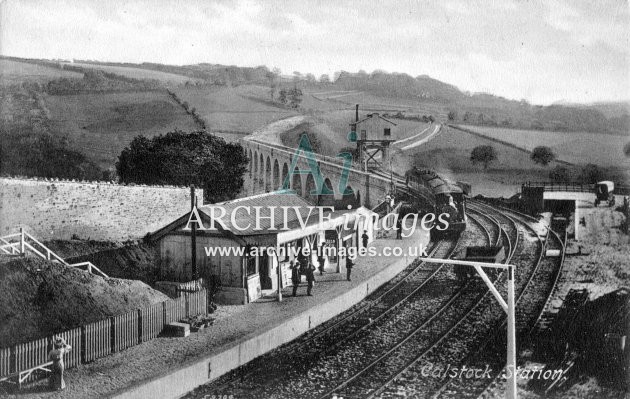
x,y
280,220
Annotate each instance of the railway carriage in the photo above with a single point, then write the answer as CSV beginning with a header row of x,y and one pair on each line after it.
x,y
432,194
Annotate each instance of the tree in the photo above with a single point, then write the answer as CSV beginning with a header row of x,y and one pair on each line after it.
x,y
295,97
560,174
484,154
468,117
282,96
591,174
626,149
452,115
310,77
297,76
542,155
537,125
179,158
272,77
324,79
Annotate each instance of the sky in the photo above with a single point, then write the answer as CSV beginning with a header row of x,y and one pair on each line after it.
x,y
541,51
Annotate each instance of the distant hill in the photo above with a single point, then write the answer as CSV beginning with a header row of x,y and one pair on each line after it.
x,y
399,85
481,109
489,110
209,73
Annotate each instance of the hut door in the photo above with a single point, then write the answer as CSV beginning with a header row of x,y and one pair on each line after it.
x,y
265,279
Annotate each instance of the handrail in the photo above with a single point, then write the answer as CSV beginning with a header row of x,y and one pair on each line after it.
x,y
47,253
11,245
90,268
29,246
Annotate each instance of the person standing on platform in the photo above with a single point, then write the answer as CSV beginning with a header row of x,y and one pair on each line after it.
x,y
56,356
365,239
349,265
295,275
310,278
321,260
399,229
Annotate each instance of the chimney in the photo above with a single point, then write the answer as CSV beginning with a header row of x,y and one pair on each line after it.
x,y
357,114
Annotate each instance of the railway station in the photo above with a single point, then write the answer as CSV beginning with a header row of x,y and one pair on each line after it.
x,y
211,199
244,277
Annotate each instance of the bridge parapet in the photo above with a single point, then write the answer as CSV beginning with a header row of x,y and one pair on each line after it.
x,y
574,187
270,165
554,186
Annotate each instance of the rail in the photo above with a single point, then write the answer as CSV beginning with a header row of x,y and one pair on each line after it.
x,y
393,294
552,186
549,233
575,187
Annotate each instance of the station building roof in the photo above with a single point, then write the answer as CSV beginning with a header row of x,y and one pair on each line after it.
x,y
293,217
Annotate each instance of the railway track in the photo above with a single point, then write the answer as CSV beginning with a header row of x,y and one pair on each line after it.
x,y
353,342
449,346
352,322
530,305
424,316
415,378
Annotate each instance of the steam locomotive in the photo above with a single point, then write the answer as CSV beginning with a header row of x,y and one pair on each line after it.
x,y
429,193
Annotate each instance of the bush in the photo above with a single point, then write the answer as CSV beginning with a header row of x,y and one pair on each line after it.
x,y
542,155
591,174
560,174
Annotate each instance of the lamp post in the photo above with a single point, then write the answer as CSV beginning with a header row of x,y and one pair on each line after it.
x,y
508,307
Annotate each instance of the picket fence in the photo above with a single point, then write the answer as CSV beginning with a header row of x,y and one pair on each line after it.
x,y
101,338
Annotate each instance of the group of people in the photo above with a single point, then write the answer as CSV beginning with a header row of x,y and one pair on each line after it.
x,y
299,267
304,266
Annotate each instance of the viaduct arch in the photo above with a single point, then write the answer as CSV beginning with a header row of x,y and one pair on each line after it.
x,y
269,166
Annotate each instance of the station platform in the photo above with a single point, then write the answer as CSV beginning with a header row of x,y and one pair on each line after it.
x,y
170,367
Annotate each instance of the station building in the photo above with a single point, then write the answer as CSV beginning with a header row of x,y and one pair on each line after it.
x,y
232,249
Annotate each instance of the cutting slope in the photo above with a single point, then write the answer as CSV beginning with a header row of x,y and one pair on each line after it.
x,y
40,298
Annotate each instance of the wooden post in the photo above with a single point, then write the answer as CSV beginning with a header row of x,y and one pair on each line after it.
x,y
83,344
279,275
22,240
140,322
112,326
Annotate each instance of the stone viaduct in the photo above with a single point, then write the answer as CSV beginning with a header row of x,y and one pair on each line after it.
x,y
270,164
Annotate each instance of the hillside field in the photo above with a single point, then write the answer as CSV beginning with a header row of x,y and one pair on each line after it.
x,y
574,147
240,109
369,102
101,125
17,72
449,154
138,73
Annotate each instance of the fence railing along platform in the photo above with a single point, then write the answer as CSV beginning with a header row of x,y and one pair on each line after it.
x,y
28,361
